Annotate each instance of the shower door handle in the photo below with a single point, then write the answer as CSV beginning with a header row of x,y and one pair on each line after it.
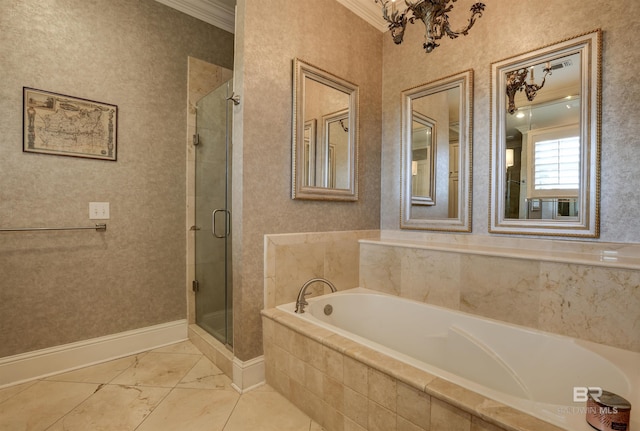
x,y
227,223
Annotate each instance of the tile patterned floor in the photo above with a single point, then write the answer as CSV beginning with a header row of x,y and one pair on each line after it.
x,y
174,388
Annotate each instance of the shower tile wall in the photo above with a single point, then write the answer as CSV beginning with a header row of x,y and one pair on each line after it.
x,y
596,303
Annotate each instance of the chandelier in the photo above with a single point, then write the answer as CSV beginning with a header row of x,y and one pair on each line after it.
x,y
433,13
517,81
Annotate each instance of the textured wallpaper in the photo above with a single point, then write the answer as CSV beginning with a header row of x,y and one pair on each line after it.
x,y
61,287
327,35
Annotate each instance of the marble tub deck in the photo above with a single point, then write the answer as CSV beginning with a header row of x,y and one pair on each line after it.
x,y
171,388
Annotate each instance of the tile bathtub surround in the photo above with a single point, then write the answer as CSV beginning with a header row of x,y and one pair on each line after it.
x,y
171,388
346,386
581,290
292,259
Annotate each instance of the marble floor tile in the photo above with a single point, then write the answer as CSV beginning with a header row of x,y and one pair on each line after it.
x,y
158,369
205,375
10,391
127,407
173,388
41,404
266,411
101,373
192,410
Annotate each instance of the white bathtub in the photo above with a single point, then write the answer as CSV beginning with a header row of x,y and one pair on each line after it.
x,y
532,371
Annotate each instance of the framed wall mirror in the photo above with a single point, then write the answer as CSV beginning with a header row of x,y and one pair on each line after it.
x,y
545,173
325,135
436,155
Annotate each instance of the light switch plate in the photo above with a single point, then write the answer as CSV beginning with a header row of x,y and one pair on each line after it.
x,y
99,210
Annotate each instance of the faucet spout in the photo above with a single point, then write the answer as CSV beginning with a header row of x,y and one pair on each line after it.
x,y
301,302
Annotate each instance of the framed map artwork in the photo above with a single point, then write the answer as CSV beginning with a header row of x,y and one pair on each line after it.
x,y
68,126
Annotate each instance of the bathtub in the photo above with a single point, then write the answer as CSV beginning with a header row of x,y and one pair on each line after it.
x,y
532,371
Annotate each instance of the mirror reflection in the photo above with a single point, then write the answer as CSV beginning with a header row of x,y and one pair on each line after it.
x,y
436,155
330,107
543,145
325,116
422,157
335,150
546,142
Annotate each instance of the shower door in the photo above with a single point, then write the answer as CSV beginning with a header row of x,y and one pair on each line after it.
x,y
213,214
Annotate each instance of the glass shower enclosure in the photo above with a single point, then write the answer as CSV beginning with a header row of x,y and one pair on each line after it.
x,y
213,214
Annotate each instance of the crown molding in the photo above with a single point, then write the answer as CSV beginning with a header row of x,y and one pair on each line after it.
x,y
214,12
367,10
220,14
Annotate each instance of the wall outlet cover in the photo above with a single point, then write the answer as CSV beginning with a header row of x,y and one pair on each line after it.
x,y
98,210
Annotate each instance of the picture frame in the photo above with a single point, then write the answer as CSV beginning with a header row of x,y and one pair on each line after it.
x,y
65,125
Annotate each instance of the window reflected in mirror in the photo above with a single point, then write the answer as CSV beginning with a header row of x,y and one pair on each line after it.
x,y
546,114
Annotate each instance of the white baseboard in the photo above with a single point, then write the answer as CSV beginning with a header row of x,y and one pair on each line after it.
x,y
248,375
42,363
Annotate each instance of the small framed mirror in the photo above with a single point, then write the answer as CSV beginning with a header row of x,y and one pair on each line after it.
x,y
436,155
325,135
545,173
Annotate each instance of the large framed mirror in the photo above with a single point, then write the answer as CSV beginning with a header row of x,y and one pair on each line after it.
x,y
325,135
436,155
545,173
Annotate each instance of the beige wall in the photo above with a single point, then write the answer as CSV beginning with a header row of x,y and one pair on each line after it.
x,y
60,287
509,28
271,34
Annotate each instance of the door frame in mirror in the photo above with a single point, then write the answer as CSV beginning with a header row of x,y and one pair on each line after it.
x,y
587,225
301,71
461,223
429,198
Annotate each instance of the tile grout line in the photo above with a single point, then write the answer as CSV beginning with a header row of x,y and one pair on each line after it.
x,y
27,385
224,427
61,418
171,390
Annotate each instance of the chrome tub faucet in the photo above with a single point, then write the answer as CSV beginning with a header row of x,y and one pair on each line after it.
x,y
301,302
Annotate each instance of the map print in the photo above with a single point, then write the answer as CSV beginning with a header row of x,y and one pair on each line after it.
x,y
64,125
